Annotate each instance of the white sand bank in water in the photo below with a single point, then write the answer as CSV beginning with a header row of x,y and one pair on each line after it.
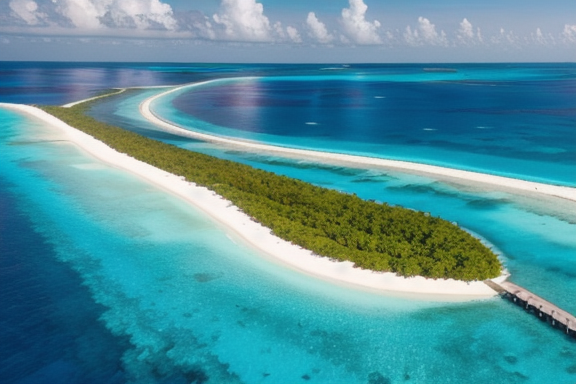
x,y
456,174
70,105
119,91
260,237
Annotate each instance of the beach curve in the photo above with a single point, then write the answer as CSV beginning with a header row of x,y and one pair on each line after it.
x,y
261,238
531,187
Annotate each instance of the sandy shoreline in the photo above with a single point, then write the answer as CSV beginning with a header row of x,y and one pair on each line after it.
x,y
455,174
260,237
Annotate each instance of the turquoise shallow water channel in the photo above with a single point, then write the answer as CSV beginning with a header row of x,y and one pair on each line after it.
x,y
133,285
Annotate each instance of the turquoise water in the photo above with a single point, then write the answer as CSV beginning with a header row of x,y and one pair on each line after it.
x,y
197,306
106,279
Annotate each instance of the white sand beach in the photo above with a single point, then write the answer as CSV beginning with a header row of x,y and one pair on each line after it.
x,y
446,173
260,237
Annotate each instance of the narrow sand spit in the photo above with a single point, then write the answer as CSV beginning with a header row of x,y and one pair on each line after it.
x,y
447,173
119,91
70,105
260,237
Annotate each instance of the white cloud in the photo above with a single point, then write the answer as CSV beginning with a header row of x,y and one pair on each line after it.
x,y
411,37
317,29
279,30
466,31
569,33
429,34
288,34
539,38
293,34
466,35
198,24
83,14
27,10
390,36
244,20
357,27
479,35
96,14
505,37
143,13
425,33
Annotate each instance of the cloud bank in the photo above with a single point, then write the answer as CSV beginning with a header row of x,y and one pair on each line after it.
x,y
247,21
96,14
244,20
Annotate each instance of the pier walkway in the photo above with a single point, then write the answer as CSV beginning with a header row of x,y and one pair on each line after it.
x,y
533,303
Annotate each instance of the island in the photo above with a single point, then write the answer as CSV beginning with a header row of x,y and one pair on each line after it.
x,y
329,223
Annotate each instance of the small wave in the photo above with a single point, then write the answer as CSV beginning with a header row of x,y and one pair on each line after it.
x,y
379,97
480,127
231,239
429,129
89,166
311,123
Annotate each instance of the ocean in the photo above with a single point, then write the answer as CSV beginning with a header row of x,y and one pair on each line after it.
x,y
106,279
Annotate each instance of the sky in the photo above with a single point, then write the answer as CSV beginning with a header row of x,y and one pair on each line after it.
x,y
289,31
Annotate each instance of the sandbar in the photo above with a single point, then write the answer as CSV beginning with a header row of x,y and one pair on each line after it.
x,y
119,91
70,105
449,173
261,238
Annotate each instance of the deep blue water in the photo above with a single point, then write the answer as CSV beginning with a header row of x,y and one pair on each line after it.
x,y
55,83
49,320
105,279
510,120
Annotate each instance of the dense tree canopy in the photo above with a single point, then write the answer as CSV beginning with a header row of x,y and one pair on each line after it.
x,y
332,224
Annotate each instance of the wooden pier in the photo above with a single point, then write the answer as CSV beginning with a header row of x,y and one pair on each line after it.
x,y
536,305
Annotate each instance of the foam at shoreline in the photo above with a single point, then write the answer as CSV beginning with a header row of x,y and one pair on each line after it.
x,y
446,173
260,237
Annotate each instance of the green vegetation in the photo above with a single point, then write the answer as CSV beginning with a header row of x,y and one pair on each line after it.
x,y
332,224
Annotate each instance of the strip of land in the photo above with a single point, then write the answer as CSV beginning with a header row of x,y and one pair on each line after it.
x,y
118,91
455,174
260,237
70,105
